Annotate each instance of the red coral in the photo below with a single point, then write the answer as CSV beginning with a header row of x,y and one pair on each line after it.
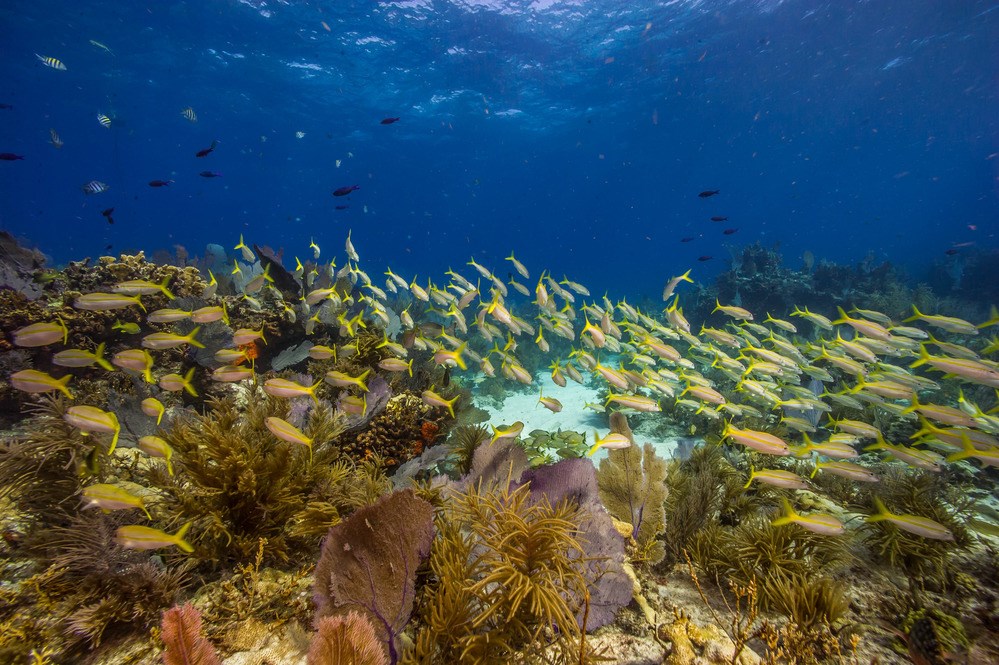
x,y
428,431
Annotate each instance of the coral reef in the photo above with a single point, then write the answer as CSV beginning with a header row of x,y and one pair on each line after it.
x,y
399,433
239,483
632,486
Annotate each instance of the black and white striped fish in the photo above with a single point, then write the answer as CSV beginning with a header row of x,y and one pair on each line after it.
x,y
95,187
104,120
190,114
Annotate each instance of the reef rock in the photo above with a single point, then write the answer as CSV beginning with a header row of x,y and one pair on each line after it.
x,y
689,643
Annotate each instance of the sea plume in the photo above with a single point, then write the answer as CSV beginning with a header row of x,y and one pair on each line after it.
x,y
185,645
347,638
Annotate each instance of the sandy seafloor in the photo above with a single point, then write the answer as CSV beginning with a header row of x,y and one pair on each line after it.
x,y
524,406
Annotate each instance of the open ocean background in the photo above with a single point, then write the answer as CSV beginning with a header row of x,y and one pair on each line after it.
x,y
577,134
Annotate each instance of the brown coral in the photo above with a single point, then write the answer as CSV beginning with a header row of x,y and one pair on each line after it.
x,y
397,434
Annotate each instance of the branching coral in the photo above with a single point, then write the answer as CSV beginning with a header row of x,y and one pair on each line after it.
x,y
772,556
238,483
632,486
506,582
927,560
697,487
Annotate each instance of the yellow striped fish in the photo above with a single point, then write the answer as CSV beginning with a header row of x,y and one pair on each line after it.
x,y
49,61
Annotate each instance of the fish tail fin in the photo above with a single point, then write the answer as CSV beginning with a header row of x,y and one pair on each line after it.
x,y
360,380
927,428
63,383
916,315
409,366
114,439
450,405
163,287
717,306
924,356
686,276
138,301
992,320
967,450
814,470
192,341
99,356
458,360
178,538
752,472
843,317
882,513
65,330
187,382
789,514
915,404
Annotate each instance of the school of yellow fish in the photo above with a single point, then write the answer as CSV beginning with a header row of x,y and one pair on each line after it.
x,y
746,369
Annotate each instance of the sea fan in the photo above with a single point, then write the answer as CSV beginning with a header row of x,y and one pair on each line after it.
x,y
348,638
369,563
185,645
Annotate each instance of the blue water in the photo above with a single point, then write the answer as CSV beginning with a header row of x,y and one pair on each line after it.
x,y
578,134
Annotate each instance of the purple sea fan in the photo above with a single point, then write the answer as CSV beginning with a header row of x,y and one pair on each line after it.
x,y
369,561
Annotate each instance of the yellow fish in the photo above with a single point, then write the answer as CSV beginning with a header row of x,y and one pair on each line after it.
x,y
921,526
82,358
152,407
112,497
91,419
33,381
155,446
430,398
285,431
41,334
147,538
820,523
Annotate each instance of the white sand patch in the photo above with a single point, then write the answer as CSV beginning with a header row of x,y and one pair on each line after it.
x,y
573,417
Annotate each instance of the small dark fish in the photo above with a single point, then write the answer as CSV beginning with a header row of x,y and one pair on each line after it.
x,y
106,248
342,207
160,183
344,191
686,239
6,106
10,157
389,121
719,219
107,215
705,258
206,151
951,251
708,192
729,232
210,174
